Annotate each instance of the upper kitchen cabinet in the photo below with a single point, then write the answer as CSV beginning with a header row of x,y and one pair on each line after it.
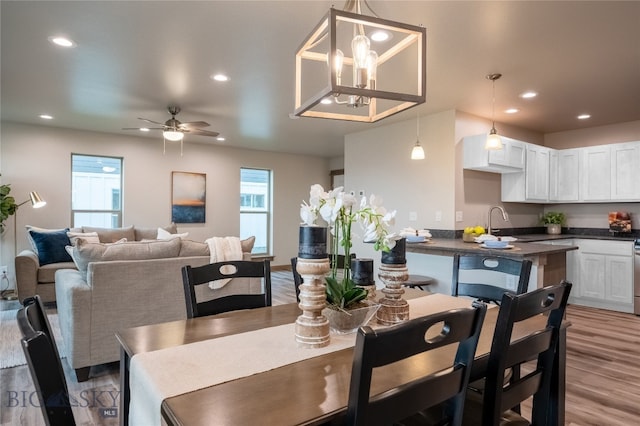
x,y
625,171
564,175
596,173
510,159
531,185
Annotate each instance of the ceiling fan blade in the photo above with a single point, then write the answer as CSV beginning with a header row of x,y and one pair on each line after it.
x,y
195,124
203,132
140,128
150,121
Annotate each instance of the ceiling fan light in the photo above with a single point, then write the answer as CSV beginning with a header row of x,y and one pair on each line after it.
x,y
172,135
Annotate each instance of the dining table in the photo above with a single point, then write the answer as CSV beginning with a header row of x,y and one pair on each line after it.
x,y
243,367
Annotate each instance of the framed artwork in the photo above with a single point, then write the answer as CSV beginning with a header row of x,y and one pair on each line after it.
x,y
188,197
337,178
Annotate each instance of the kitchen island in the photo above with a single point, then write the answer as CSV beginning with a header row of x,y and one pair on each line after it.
x,y
435,258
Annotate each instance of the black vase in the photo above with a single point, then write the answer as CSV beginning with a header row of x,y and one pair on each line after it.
x,y
362,272
312,243
397,255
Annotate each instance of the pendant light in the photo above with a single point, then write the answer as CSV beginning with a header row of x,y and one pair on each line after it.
x,y
494,142
417,153
324,87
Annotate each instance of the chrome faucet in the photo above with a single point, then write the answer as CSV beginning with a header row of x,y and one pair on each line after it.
x,y
505,216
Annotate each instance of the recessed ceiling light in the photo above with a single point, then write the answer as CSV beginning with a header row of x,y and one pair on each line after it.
x,y
511,110
219,77
584,116
528,95
46,116
144,129
380,36
220,138
62,41
326,101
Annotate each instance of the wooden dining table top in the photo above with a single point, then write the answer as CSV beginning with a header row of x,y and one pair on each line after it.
x,y
312,391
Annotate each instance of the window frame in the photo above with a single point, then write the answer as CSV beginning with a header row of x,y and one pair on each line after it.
x,y
267,210
117,213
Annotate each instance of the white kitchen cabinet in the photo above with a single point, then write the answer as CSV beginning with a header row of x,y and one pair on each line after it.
x,y
564,175
604,275
595,169
531,185
537,173
625,171
509,159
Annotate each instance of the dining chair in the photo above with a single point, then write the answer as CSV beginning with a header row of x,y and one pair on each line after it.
x,y
443,392
44,363
494,406
480,270
297,278
203,275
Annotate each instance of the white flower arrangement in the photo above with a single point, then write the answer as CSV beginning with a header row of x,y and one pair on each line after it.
x,y
340,210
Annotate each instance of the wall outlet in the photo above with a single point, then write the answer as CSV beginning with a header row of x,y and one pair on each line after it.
x,y
438,216
4,272
413,216
458,216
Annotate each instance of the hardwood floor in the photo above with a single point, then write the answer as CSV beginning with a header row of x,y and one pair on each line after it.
x,y
603,373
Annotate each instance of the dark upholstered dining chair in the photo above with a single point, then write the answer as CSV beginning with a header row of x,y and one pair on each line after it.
x,y
202,275
44,363
297,279
444,390
488,268
494,406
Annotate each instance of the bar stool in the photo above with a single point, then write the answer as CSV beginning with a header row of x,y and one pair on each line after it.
x,y
418,281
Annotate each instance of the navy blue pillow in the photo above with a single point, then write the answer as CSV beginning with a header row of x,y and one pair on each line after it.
x,y
51,246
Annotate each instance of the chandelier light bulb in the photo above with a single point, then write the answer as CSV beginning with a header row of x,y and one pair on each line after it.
x,y
338,62
372,69
360,47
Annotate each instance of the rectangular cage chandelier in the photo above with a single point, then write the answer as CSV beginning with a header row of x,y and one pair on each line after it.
x,y
360,68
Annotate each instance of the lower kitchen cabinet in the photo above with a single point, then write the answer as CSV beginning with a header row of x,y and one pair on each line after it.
x,y
601,272
603,275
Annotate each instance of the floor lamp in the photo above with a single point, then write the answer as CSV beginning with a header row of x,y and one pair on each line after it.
x,y
36,203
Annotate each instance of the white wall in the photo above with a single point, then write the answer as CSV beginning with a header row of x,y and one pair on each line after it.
x,y
38,158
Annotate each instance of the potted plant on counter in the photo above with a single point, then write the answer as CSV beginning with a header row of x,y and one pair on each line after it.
x,y
553,221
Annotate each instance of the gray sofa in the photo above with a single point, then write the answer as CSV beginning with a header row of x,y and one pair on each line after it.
x,y
127,285
33,277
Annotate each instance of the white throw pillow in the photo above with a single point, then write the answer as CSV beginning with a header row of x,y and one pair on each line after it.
x,y
166,235
90,237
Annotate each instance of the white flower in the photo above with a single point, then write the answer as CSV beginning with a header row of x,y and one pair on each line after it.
x,y
308,214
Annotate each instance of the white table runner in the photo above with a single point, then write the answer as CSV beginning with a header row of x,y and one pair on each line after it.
x,y
157,375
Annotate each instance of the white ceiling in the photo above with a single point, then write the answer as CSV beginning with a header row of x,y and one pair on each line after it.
x,y
135,57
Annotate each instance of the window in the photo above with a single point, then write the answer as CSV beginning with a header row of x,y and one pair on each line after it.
x,y
255,208
96,191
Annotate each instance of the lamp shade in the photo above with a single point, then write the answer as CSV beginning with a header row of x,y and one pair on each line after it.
x,y
173,135
494,142
36,201
417,153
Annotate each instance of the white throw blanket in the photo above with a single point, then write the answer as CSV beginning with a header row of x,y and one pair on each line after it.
x,y
223,249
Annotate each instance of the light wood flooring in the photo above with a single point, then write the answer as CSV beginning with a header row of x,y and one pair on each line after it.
x,y
603,373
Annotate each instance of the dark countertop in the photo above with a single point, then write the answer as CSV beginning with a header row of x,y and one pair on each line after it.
x,y
447,247
548,237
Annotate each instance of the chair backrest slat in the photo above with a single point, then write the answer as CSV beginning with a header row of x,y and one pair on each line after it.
x,y
492,266
540,345
202,275
376,349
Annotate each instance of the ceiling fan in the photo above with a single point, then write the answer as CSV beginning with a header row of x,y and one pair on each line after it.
x,y
174,130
